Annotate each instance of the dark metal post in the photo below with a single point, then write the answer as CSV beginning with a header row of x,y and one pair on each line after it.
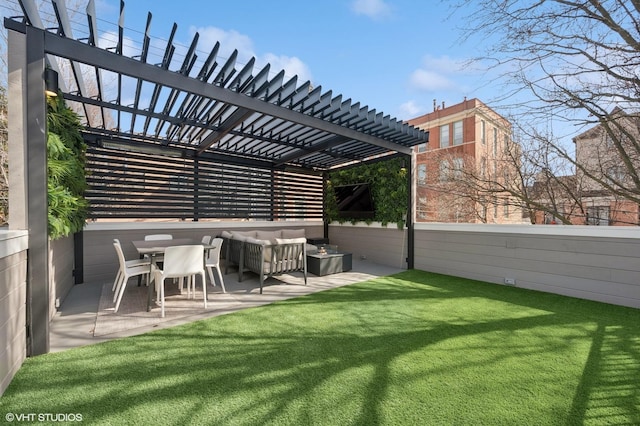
x,y
410,227
196,189
325,218
78,257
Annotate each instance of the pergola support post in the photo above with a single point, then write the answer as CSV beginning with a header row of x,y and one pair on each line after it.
x,y
410,226
28,174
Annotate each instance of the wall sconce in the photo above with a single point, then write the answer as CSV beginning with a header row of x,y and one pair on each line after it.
x,y
50,82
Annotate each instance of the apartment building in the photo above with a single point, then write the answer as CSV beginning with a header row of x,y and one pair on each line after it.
x,y
460,171
598,155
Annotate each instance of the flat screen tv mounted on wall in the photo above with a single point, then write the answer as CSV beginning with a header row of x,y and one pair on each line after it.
x,y
354,201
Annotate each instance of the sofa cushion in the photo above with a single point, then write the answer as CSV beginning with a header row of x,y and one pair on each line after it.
x,y
268,235
291,240
243,235
293,233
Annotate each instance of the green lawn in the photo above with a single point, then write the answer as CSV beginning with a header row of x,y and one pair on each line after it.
x,y
411,349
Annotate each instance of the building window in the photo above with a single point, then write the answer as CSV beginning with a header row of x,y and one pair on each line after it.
x,y
506,209
422,174
495,141
422,147
444,136
457,133
483,132
598,215
422,207
483,167
616,173
458,164
444,170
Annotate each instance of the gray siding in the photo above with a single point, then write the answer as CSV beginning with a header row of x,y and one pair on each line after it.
x,y
574,261
13,296
378,244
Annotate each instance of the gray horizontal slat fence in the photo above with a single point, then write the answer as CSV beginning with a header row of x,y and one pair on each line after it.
x,y
576,261
141,186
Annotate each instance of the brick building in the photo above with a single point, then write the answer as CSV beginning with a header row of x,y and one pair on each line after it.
x,y
467,142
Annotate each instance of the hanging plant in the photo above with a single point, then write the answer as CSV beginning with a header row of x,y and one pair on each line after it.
x,y
388,182
66,158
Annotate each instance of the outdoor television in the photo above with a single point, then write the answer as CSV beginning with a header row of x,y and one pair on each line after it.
x,y
354,201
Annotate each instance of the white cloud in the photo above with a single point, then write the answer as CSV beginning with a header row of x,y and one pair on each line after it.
x,y
291,65
230,40
437,74
431,81
410,109
374,9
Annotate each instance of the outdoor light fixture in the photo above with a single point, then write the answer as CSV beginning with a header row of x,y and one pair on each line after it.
x,y
50,82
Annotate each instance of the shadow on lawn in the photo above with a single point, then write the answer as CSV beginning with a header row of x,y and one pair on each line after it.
x,y
305,356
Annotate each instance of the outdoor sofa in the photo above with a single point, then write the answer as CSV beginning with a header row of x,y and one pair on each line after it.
x,y
267,253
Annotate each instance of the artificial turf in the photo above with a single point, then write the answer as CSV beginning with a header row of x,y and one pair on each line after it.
x,y
412,348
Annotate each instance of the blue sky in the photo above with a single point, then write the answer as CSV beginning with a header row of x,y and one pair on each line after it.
x,y
396,56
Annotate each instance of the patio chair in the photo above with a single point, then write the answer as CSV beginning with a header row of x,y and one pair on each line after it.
x,y
213,262
152,237
206,240
181,262
128,269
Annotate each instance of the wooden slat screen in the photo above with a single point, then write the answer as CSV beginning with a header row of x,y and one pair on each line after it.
x,y
129,185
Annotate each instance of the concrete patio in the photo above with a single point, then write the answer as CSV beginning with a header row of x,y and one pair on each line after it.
x,y
87,314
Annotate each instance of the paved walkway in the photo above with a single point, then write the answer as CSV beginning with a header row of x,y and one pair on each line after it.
x,y
86,316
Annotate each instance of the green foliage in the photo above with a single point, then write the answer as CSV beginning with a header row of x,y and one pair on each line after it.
x,y
388,182
68,208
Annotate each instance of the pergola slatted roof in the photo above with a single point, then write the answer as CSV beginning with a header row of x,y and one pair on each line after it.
x,y
203,104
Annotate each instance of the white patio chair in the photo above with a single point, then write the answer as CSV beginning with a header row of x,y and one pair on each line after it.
x,y
152,237
181,262
206,240
132,262
128,269
213,262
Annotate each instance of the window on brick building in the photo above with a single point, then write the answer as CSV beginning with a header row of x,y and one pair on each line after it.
x,y
598,215
457,133
444,136
422,174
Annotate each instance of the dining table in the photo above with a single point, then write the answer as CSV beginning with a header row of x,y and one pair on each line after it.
x,y
154,248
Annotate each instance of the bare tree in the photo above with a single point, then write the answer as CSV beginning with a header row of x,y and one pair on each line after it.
x,y
569,62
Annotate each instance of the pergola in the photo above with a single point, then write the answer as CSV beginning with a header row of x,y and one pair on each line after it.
x,y
190,136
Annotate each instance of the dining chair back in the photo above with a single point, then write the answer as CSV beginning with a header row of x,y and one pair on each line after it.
x,y
180,262
127,269
213,262
153,237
